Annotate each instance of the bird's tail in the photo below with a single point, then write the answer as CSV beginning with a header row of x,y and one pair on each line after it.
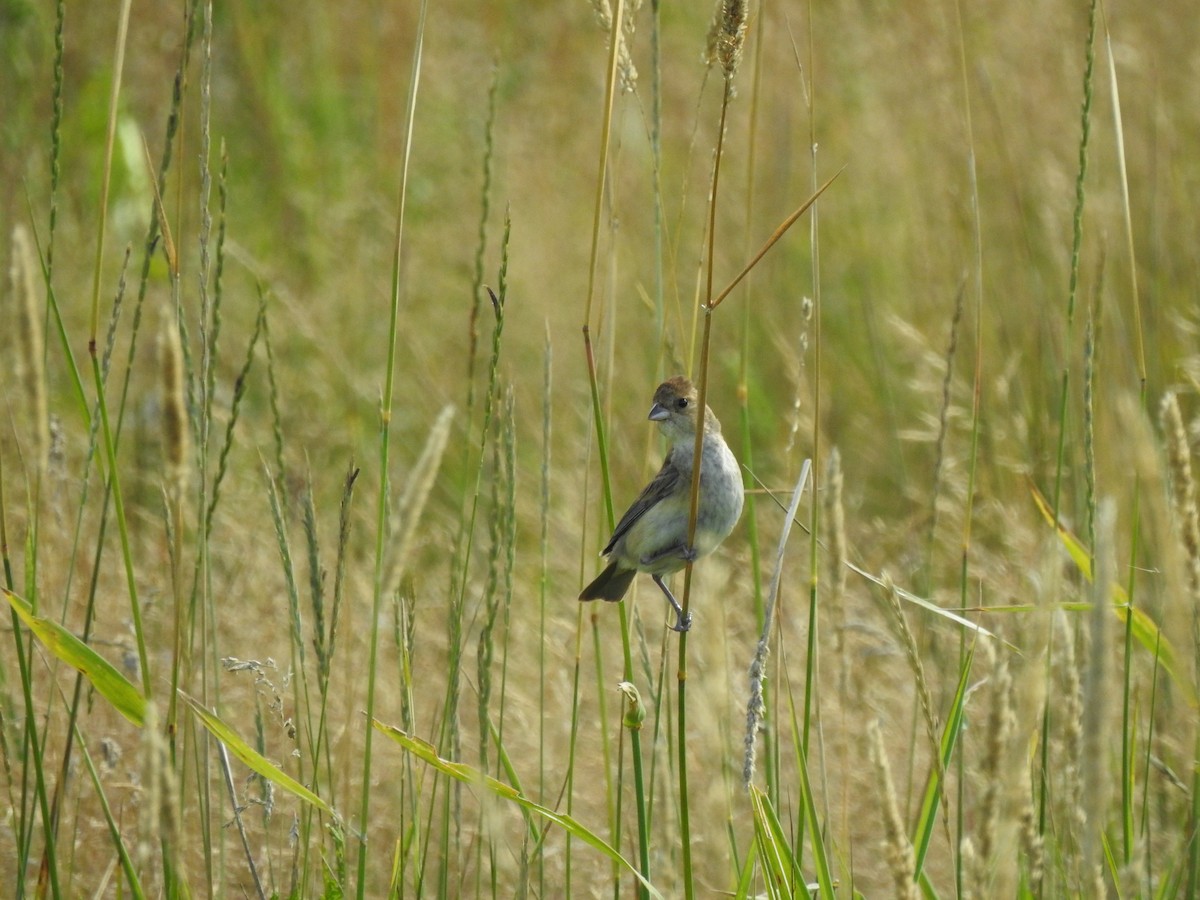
x,y
611,584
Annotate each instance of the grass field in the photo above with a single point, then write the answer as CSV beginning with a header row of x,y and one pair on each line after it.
x,y
329,333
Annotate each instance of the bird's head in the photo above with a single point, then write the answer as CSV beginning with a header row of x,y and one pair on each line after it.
x,y
676,408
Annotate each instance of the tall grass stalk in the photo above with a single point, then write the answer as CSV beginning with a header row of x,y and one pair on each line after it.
x,y
1139,340
98,380
725,46
544,584
206,493
90,609
30,359
1187,517
977,277
30,378
325,629
743,389
176,446
811,658
939,458
685,601
449,736
756,705
726,38
1085,121
497,596
1097,690
385,436
60,17
1139,349
300,726
615,43
150,245
32,746
477,286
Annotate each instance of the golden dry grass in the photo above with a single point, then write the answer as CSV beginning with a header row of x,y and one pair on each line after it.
x,y
939,114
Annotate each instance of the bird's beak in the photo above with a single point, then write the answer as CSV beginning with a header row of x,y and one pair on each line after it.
x,y
658,412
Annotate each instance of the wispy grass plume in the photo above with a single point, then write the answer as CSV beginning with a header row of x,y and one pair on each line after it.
x,y
1187,522
897,848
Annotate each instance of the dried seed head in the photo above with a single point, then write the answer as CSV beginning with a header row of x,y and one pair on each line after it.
x,y
897,848
1183,487
1068,747
31,372
626,70
754,711
175,428
727,35
998,727
972,865
159,809
1097,687
1032,847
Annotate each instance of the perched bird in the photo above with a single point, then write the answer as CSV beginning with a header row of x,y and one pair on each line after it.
x,y
652,536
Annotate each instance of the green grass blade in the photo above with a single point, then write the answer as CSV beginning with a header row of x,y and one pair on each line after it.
x,y
104,677
772,846
1145,629
820,857
927,819
426,752
252,758
746,877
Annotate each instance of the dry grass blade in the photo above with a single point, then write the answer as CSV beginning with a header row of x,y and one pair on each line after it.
x,y
758,667
416,492
774,239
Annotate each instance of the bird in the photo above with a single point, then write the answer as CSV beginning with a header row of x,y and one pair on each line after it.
x,y
652,536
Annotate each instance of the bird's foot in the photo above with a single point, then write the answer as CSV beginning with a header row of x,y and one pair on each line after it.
x,y
683,622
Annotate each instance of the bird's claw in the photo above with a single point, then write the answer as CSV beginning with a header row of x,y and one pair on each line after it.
x,y
683,619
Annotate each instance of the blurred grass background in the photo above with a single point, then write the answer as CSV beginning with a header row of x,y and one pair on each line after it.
x,y
958,128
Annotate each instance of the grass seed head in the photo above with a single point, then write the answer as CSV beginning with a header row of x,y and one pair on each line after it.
x,y
175,421
1183,488
727,36
626,71
897,848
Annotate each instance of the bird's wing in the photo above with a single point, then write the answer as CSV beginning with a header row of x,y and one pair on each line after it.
x,y
662,485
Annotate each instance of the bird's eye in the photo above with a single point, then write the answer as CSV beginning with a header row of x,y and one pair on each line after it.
x,y
681,403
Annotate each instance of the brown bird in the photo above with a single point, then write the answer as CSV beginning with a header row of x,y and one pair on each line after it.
x,y
652,536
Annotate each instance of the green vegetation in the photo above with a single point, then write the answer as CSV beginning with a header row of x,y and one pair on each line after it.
x,y
329,334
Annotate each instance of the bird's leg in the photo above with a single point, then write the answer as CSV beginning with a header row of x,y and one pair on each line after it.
x,y
683,621
687,554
